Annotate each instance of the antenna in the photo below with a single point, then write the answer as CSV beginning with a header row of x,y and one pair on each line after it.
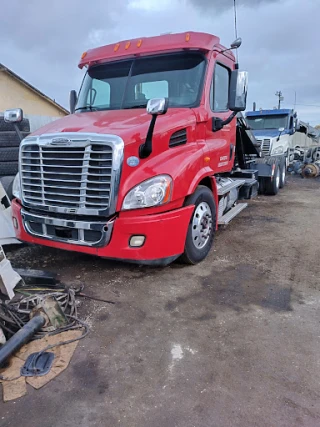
x,y
235,25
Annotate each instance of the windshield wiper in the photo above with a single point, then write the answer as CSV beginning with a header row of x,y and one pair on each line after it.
x,y
135,106
86,107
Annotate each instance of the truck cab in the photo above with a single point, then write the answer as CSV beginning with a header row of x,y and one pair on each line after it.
x,y
279,132
274,130
147,165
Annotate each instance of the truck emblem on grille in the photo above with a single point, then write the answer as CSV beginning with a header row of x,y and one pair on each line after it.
x,y
60,141
133,161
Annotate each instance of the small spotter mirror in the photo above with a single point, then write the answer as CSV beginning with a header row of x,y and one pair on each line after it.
x,y
237,43
157,106
14,115
281,129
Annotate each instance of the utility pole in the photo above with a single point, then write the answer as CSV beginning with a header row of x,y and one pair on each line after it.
x,y
281,98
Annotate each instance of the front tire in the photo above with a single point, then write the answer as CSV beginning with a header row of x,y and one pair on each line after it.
x,y
273,183
202,226
283,170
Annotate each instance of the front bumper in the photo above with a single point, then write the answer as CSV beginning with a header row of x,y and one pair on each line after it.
x,y
165,235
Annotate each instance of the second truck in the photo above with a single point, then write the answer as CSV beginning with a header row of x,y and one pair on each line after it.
x,y
155,155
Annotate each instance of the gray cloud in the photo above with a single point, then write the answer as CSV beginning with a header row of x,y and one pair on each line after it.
x,y
227,4
43,41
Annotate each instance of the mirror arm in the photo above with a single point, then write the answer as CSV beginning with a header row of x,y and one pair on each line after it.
x,y
18,132
146,149
217,123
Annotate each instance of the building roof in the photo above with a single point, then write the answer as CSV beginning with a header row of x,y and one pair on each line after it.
x,y
145,45
7,70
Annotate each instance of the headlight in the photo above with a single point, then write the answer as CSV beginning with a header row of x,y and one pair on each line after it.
x,y
152,192
16,190
278,150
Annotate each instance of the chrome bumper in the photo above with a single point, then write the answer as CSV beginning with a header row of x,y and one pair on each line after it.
x,y
83,233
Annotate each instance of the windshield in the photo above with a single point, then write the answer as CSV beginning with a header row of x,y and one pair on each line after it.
x,y
268,122
131,83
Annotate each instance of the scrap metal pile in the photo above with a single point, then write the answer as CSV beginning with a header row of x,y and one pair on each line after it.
x,y
306,163
34,307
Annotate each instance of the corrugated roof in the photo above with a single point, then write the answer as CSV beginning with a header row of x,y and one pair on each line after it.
x,y
7,70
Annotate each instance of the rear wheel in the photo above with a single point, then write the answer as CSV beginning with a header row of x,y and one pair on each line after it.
x,y
202,226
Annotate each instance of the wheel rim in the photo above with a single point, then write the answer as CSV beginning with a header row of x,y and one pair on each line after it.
x,y
201,225
283,174
278,178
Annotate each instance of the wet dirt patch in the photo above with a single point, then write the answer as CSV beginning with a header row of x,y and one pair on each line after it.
x,y
236,288
264,219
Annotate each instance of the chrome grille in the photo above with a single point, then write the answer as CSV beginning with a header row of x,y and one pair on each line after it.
x,y
77,178
266,145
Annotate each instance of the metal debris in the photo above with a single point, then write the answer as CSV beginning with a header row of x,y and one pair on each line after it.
x,y
9,278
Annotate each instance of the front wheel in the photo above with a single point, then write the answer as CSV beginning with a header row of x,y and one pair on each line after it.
x,y
283,170
273,183
202,226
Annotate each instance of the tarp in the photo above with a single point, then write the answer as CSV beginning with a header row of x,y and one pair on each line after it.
x,y
15,386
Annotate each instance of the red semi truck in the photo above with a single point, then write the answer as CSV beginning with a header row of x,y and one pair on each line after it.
x,y
152,158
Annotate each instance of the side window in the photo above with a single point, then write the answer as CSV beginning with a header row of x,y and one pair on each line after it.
x,y
291,123
220,89
149,90
99,94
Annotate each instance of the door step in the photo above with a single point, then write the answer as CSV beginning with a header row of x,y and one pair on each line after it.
x,y
226,218
226,188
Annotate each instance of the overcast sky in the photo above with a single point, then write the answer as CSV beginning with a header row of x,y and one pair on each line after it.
x,y
42,41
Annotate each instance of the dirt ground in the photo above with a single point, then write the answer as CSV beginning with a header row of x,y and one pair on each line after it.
x,y
233,341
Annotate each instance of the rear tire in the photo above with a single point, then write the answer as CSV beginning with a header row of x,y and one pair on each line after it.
x,y
8,168
24,125
202,226
11,139
8,154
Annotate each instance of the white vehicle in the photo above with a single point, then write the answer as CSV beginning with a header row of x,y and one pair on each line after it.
x,y
280,132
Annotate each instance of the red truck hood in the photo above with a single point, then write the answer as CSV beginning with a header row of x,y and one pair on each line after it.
x,y
130,125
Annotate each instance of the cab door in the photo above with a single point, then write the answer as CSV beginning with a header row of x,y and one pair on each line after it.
x,y
221,143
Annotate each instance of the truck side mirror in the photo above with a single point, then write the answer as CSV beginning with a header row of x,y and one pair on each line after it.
x,y
13,116
238,91
157,106
73,100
